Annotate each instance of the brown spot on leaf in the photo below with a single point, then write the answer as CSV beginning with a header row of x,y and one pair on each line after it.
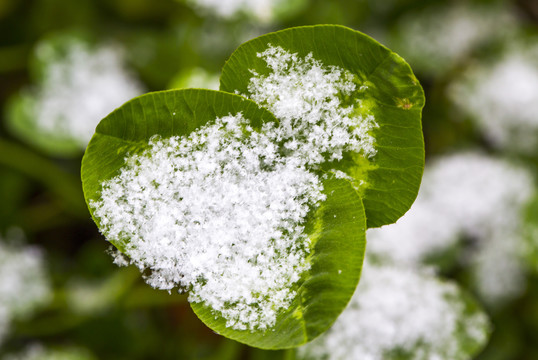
x,y
404,103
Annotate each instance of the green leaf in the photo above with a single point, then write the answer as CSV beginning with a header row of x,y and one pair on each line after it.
x,y
337,231
388,182
75,82
336,228
530,232
471,342
22,117
128,129
21,122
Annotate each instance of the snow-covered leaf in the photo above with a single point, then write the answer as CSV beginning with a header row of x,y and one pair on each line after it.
x,y
336,81
194,188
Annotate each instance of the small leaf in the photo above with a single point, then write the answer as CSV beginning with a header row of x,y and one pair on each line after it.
x,y
75,84
21,122
335,227
385,88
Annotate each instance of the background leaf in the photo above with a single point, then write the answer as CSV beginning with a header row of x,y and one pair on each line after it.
x,y
394,96
22,123
22,111
403,313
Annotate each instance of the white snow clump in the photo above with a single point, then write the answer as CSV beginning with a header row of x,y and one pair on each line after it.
x,y
220,212
304,95
78,88
437,38
24,284
467,195
502,99
399,309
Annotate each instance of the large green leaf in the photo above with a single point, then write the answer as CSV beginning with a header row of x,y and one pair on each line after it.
x,y
337,232
128,129
389,181
336,228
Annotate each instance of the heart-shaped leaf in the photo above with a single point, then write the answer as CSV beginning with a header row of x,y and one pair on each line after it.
x,y
317,73
185,183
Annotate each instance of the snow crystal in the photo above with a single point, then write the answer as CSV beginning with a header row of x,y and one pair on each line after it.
x,y
470,195
404,310
339,174
78,89
437,37
305,96
502,99
220,213
24,284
